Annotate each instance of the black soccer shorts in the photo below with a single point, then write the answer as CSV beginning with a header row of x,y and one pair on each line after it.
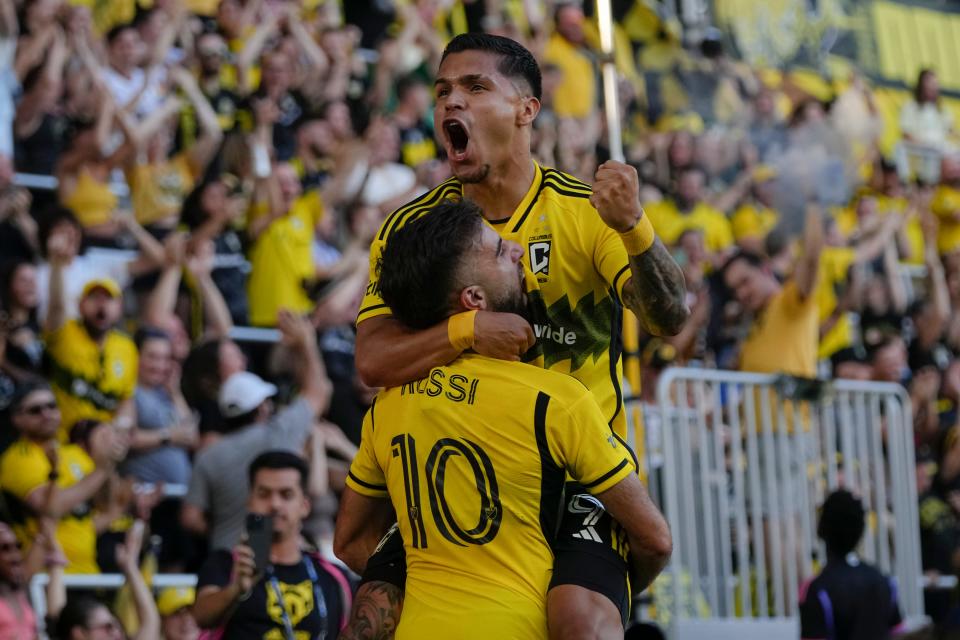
x,y
388,563
590,550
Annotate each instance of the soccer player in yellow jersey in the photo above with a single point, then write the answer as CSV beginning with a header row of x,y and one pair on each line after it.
x,y
587,250
473,456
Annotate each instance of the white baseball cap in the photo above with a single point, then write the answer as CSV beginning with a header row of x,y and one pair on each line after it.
x,y
242,393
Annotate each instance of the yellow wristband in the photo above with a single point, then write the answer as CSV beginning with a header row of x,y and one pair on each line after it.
x,y
640,238
460,330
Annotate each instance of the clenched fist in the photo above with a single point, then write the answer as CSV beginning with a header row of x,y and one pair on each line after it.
x,y
616,195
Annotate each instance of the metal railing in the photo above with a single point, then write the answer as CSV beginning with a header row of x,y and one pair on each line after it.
x,y
109,581
746,461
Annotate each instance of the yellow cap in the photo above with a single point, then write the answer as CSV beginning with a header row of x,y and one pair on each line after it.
x,y
764,172
172,599
107,284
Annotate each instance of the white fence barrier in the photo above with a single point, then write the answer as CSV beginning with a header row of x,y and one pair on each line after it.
x,y
110,581
746,461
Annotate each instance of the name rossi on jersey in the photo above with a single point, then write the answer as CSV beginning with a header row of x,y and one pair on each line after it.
x,y
457,388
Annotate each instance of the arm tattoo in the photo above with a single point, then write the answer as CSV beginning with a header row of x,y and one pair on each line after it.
x,y
376,612
656,291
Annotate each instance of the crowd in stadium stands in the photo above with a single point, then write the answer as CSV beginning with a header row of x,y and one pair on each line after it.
x,y
224,164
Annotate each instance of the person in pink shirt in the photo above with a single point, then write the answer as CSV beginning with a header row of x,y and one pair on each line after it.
x,y
17,618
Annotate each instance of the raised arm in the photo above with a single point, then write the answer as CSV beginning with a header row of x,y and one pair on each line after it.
x,y
937,289
211,135
319,63
162,300
8,21
128,558
253,48
59,255
808,265
656,290
217,314
870,248
312,379
29,114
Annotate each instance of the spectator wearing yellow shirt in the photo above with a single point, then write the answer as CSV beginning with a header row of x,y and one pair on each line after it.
x,y
92,366
946,205
756,217
689,210
892,198
836,260
576,95
281,258
41,478
784,328
158,183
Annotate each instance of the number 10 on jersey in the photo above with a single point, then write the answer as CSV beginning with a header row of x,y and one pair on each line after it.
x,y
480,476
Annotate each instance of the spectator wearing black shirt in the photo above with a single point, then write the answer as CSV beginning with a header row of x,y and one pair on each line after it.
x,y
298,594
849,599
212,55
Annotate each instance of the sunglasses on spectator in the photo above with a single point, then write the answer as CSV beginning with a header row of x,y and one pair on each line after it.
x,y
7,547
37,409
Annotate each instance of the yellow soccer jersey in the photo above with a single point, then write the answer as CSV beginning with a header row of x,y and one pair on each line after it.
x,y
282,261
473,458
578,266
88,380
23,468
946,206
671,223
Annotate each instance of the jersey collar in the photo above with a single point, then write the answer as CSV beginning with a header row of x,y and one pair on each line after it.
x,y
516,219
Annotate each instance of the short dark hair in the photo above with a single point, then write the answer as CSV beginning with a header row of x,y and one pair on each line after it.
x,y
408,82
749,257
918,87
25,389
516,61
116,31
278,459
76,613
143,334
49,219
841,522
419,265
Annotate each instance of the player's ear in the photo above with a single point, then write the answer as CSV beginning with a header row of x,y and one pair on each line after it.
x,y
473,298
529,108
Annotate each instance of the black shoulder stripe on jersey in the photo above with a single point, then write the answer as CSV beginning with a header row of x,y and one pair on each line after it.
x,y
529,208
412,214
633,455
373,415
606,476
567,179
566,192
616,278
551,474
372,487
372,307
426,200
616,350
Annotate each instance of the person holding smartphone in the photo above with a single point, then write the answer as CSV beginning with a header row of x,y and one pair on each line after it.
x,y
269,585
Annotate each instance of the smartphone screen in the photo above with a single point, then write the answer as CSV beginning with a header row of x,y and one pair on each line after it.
x,y
259,538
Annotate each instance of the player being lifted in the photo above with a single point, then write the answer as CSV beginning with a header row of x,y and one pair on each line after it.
x,y
586,251
473,457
